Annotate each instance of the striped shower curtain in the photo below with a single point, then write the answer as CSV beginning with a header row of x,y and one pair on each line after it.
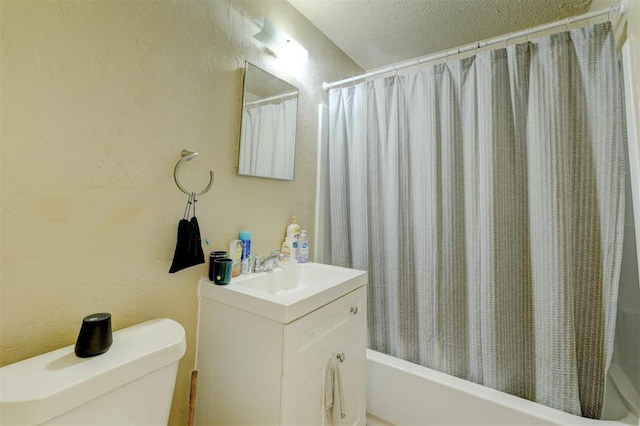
x,y
486,199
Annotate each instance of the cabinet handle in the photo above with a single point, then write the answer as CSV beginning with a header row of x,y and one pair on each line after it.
x,y
354,310
341,356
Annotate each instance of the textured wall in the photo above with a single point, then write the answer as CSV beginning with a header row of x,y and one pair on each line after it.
x,y
98,99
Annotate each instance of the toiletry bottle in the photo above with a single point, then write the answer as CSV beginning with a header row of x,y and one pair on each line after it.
x,y
245,237
302,255
235,253
287,250
293,232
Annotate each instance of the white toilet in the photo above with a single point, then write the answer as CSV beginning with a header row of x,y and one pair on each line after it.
x,y
131,384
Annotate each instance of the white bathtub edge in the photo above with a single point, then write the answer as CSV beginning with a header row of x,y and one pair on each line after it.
x,y
529,408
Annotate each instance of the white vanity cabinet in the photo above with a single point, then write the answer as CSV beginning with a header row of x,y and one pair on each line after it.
x,y
257,370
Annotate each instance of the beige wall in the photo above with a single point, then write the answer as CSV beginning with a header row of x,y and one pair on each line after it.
x,y
633,29
628,26
98,99
634,18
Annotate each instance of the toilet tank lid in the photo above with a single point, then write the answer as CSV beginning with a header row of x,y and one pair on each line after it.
x,y
60,378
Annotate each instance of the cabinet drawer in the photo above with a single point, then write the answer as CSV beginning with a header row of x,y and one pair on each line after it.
x,y
309,334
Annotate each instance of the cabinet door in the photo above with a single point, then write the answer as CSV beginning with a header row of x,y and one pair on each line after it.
x,y
303,391
352,370
304,338
310,343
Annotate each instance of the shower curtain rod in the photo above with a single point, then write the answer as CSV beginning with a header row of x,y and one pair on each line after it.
x,y
272,98
622,7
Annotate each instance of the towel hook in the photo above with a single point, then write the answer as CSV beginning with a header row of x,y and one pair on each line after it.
x,y
186,156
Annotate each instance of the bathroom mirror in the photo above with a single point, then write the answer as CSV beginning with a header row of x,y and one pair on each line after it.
x,y
268,128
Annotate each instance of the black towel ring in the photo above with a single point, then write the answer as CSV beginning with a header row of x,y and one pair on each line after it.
x,y
186,156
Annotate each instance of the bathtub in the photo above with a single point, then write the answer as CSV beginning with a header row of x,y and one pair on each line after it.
x,y
403,393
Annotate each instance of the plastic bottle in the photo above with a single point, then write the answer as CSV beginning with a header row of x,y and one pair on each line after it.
x,y
302,254
293,232
287,250
245,237
235,253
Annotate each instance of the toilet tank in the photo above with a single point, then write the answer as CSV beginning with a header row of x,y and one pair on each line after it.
x,y
131,384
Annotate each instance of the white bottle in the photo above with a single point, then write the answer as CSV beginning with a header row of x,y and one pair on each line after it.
x,y
302,254
293,232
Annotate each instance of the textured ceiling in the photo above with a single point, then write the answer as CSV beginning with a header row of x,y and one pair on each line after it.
x,y
375,33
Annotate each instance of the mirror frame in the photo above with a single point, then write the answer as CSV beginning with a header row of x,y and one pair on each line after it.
x,y
259,86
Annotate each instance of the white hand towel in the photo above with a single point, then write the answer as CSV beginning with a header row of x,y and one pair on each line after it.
x,y
333,397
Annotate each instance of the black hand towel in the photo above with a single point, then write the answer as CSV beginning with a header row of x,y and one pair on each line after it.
x,y
188,247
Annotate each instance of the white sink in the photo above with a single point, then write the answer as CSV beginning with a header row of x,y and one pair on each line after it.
x,y
285,295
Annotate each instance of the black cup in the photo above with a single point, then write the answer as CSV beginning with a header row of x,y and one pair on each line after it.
x,y
222,268
95,336
215,255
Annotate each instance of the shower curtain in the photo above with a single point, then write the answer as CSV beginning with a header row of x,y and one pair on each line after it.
x,y
486,199
269,134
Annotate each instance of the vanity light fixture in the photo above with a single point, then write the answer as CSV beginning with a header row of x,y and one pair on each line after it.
x,y
278,43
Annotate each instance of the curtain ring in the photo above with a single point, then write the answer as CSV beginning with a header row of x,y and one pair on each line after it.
x,y
504,40
566,25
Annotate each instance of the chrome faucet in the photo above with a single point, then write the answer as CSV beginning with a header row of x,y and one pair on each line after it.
x,y
267,264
